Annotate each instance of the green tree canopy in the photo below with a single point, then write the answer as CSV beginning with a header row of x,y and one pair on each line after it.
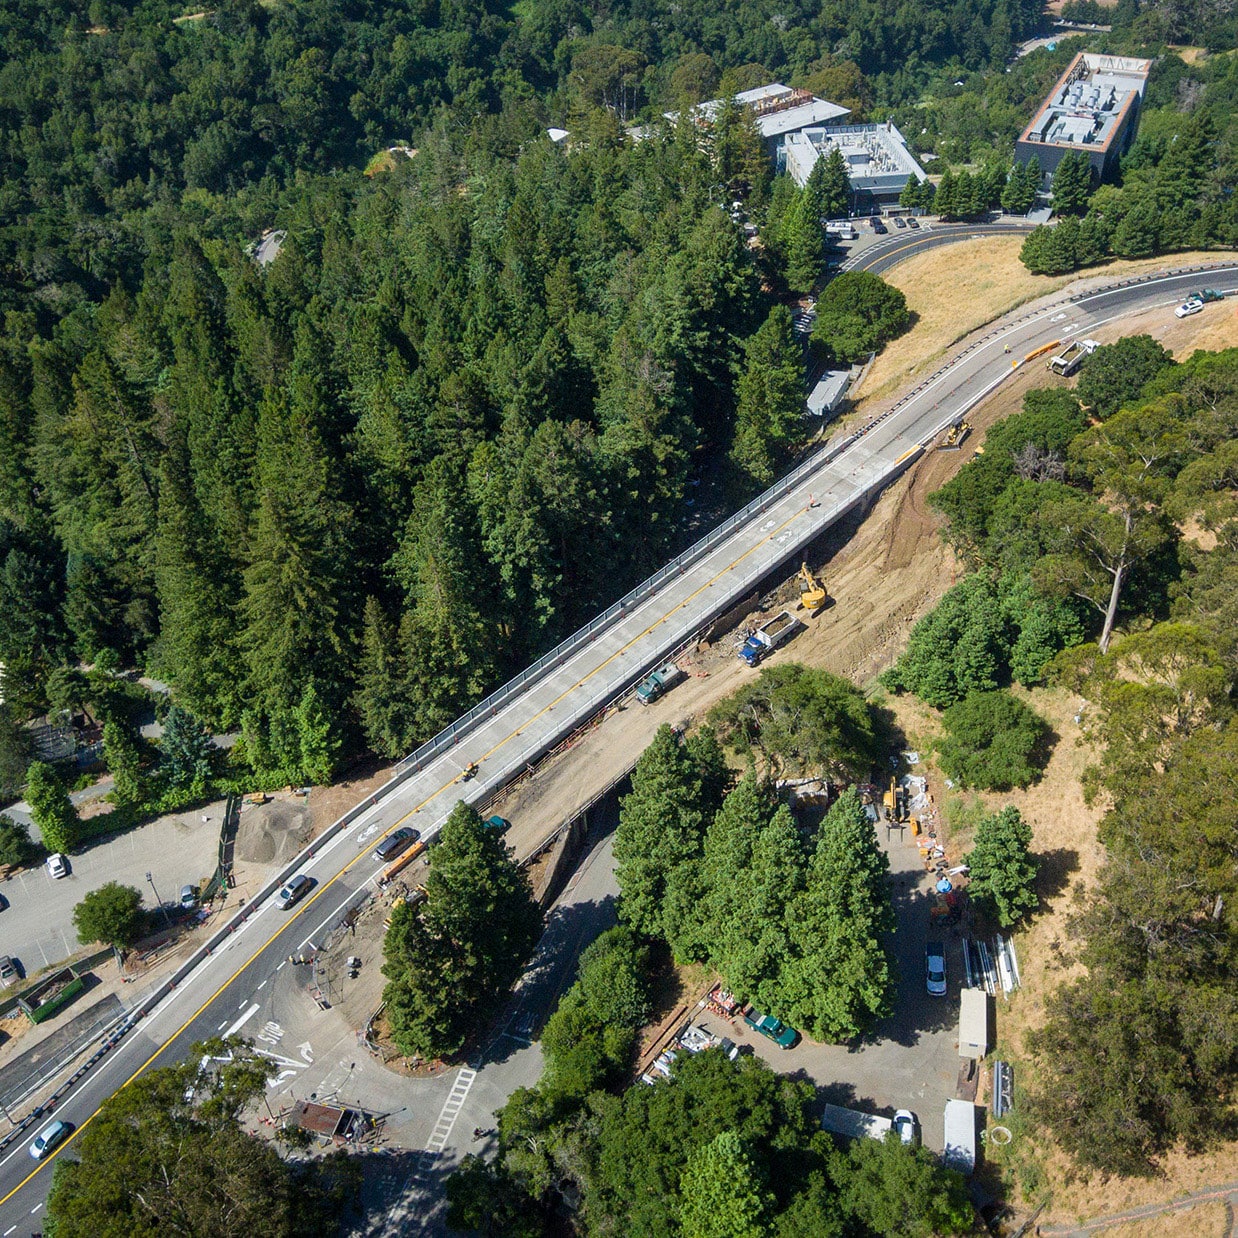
x,y
857,313
993,741
901,1192
841,981
112,914
51,808
1072,183
1115,374
801,720
187,752
154,1159
721,1193
1003,870
769,415
451,961
676,789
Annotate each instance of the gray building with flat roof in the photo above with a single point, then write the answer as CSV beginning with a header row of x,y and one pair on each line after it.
x,y
877,159
1093,108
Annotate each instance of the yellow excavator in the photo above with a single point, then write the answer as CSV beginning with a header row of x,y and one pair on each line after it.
x,y
812,592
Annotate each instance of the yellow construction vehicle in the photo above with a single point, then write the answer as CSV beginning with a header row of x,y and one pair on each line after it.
x,y
812,592
955,436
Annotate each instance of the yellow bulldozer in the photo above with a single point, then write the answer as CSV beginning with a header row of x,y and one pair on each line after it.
x,y
812,592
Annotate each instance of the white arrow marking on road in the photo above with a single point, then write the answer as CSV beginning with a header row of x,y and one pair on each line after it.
x,y
240,1023
307,1052
279,1059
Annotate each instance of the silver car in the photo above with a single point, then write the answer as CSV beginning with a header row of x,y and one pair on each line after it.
x,y
49,1139
296,889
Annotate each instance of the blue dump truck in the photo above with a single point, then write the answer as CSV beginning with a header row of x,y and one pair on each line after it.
x,y
768,637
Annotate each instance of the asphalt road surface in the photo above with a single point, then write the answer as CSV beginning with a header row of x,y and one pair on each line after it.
x,y
225,993
890,250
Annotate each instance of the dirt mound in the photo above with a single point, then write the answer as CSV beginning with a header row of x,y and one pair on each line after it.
x,y
272,833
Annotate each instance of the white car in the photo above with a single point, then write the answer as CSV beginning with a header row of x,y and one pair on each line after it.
x,y
907,1127
57,865
1187,308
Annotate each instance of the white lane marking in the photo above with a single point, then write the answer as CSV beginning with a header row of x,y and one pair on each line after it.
x,y
242,1002
8,1231
240,1023
222,1025
35,1209
263,985
282,965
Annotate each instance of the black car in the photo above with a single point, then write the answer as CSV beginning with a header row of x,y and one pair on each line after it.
x,y
879,228
912,222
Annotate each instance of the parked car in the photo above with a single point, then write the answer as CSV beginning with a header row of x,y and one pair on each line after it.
x,y
502,824
879,228
189,898
394,843
8,971
4,902
912,221
935,968
49,1139
899,221
1187,308
296,889
777,1031
907,1127
57,865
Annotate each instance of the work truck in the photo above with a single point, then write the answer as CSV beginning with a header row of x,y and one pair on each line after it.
x,y
768,637
1072,357
659,682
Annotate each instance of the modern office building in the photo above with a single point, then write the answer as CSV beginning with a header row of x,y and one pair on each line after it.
x,y
779,111
1093,108
877,159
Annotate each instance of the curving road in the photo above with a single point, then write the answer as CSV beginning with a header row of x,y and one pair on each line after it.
x,y
235,987
891,250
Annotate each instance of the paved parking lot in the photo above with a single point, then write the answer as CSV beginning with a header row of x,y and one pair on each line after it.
x,y
911,1061
37,926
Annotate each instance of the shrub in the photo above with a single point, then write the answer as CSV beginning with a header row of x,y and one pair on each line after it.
x,y
1003,870
993,742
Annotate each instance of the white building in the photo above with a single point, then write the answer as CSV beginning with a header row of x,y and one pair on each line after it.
x,y
779,110
877,159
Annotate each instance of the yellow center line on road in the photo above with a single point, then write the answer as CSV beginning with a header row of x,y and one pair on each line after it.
x,y
326,885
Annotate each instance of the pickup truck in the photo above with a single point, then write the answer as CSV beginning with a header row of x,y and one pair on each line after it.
x,y
782,1035
1207,294
659,682
768,637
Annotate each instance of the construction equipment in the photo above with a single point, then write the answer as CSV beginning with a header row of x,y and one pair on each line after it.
x,y
895,802
955,436
812,592
660,681
769,636
1074,355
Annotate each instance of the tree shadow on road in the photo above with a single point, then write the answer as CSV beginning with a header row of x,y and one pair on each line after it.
x,y
569,930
